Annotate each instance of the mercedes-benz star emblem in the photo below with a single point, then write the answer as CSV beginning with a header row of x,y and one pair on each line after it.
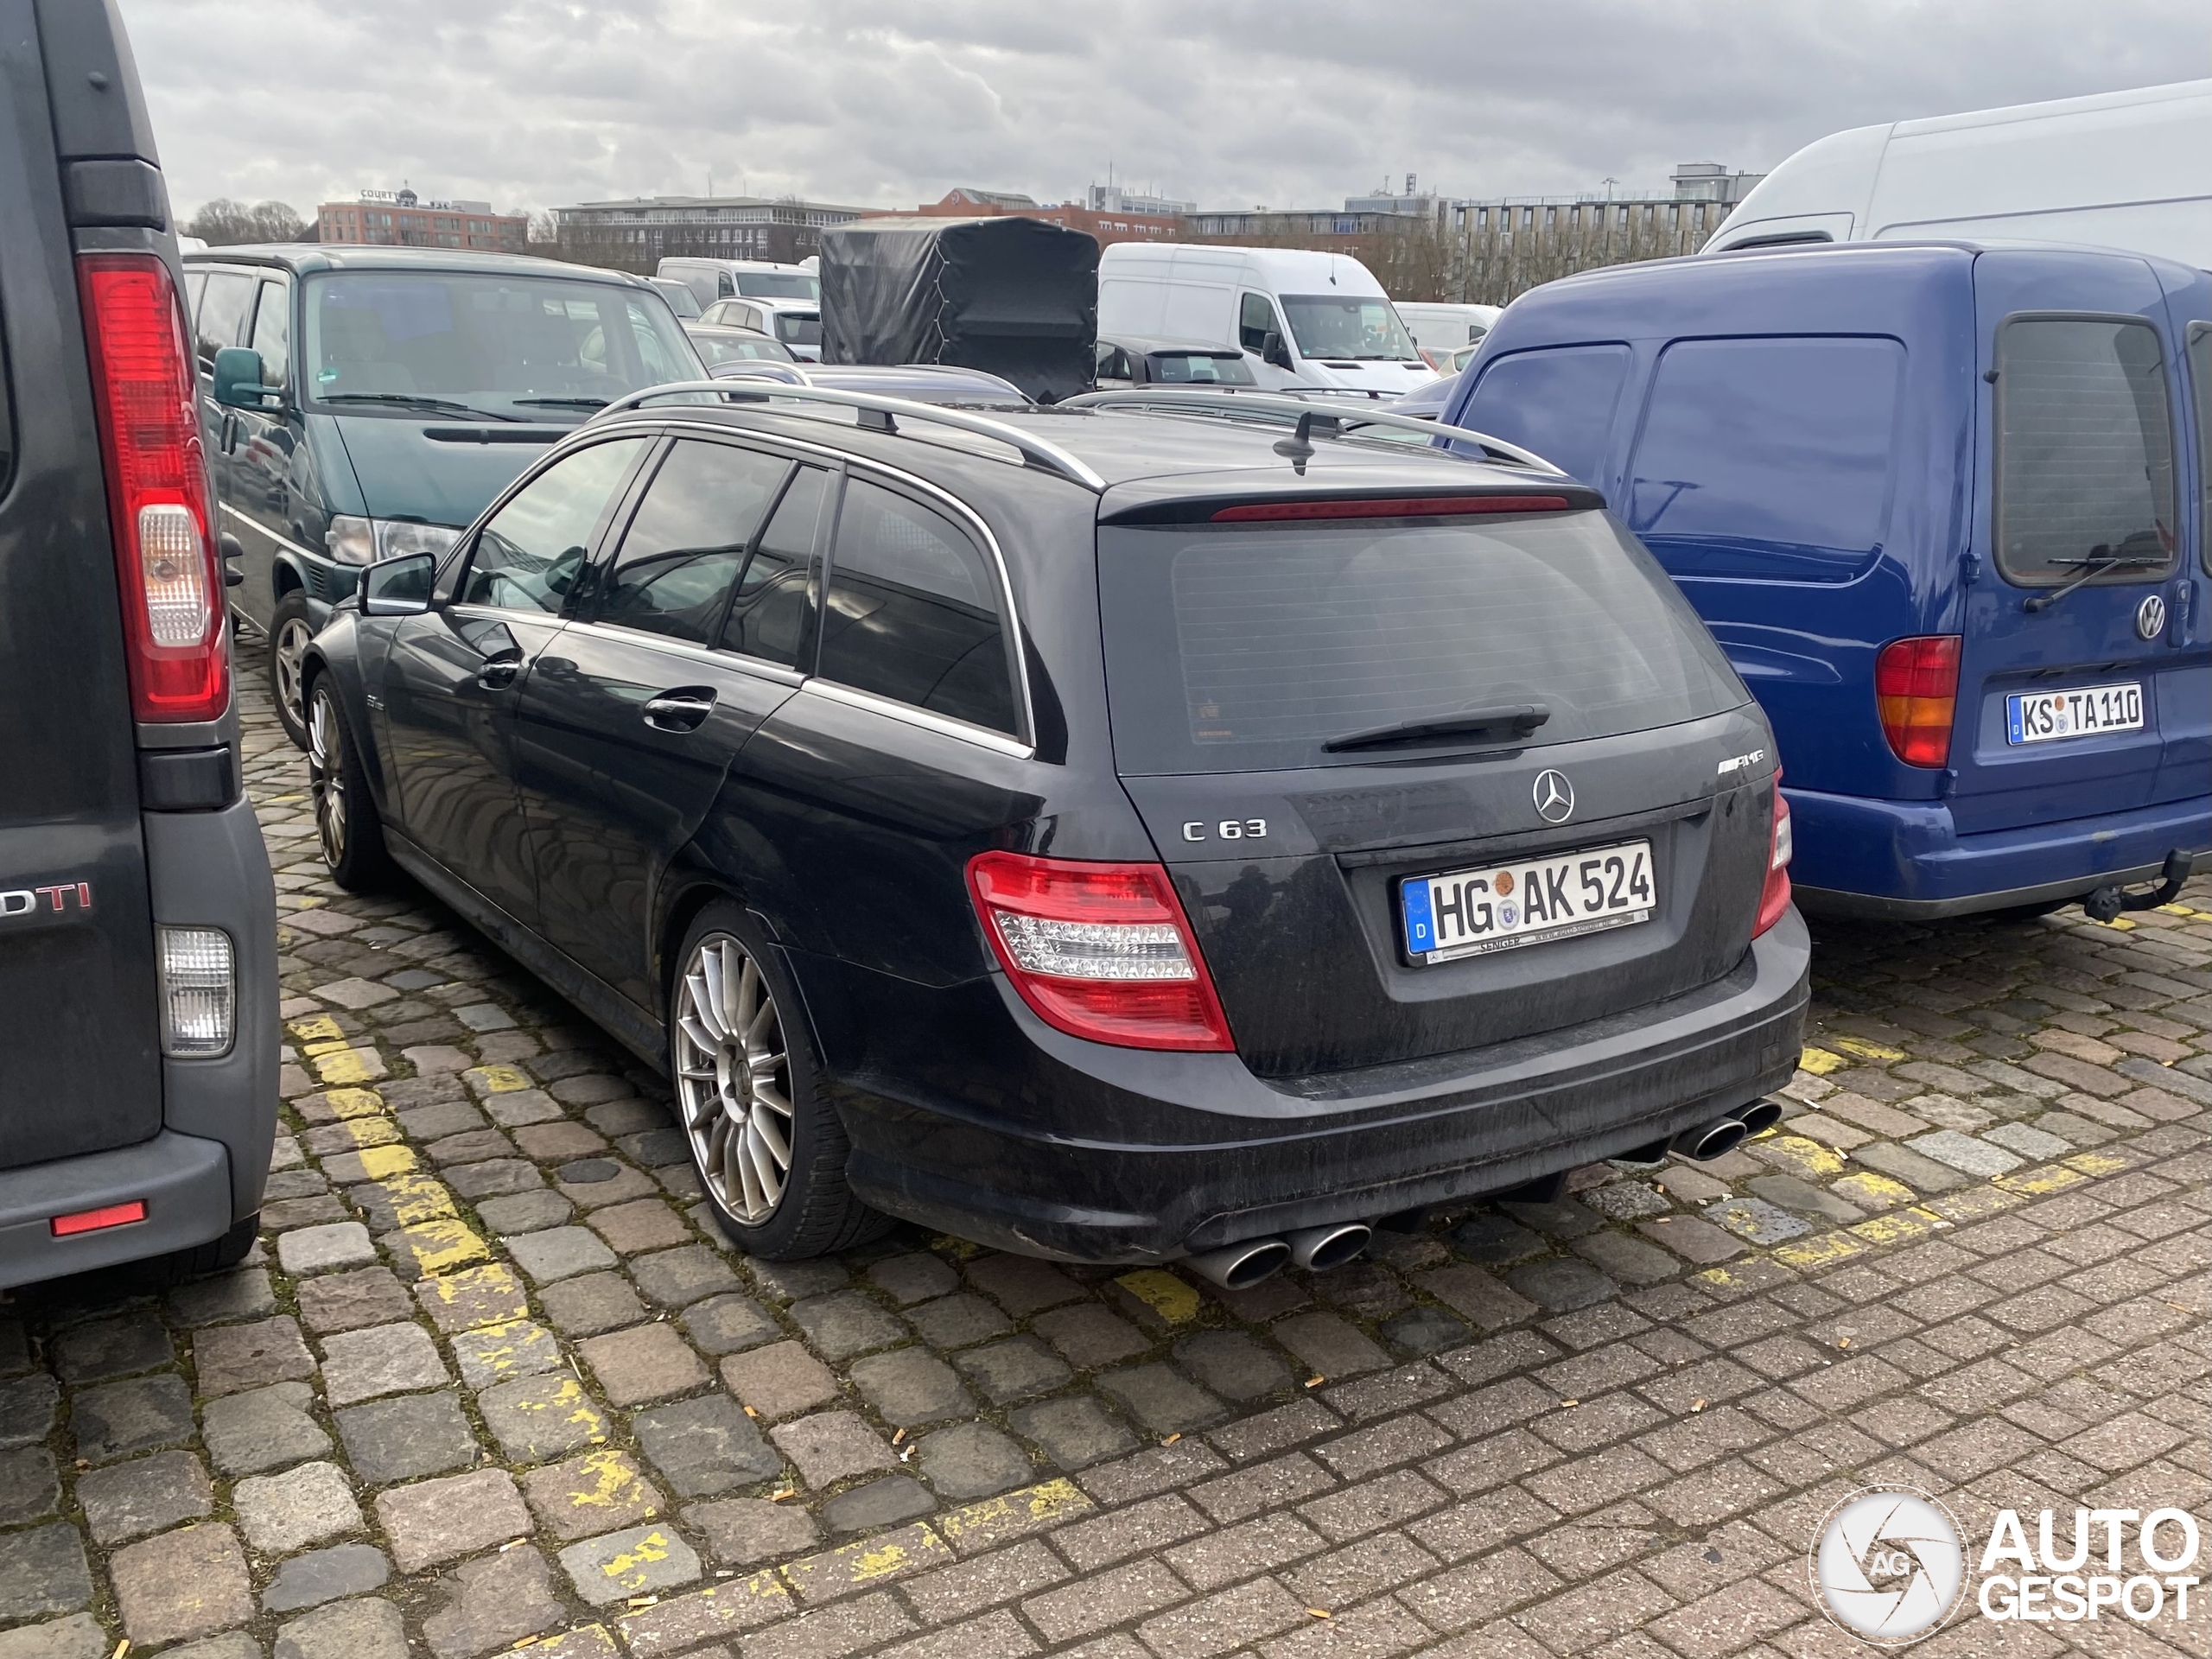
x,y
2151,617
1554,797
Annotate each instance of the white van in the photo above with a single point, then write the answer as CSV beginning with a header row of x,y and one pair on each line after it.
x,y
1440,329
751,279
2119,169
1304,319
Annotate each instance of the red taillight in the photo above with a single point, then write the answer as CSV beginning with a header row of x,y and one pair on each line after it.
x,y
93,1220
1102,951
1427,506
1916,691
157,487
1774,897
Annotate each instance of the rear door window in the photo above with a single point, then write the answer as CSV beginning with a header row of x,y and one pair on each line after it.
x,y
223,306
272,333
2085,449
528,557
1233,648
1559,403
2200,381
767,618
912,611
1769,459
686,543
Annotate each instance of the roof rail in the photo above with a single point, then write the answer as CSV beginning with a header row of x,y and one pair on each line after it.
x,y
1339,415
1034,451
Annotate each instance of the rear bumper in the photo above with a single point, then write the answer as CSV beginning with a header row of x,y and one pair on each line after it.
x,y
1059,1148
184,1181
1905,860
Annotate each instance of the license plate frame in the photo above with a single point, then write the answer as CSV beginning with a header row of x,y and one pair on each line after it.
x,y
1426,903
2076,712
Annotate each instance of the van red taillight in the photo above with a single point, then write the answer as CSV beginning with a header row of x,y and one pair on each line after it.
x,y
1774,897
1099,950
93,1220
1916,691
1431,506
157,487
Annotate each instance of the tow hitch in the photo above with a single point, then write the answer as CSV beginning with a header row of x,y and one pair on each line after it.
x,y
2106,902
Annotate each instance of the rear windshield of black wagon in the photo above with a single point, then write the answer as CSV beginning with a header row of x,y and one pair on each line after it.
x,y
1249,647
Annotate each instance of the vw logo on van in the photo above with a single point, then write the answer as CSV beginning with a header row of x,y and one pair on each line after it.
x,y
1554,797
2151,617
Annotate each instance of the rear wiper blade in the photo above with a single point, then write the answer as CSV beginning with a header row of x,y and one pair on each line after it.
x,y
2096,564
566,403
1510,721
410,400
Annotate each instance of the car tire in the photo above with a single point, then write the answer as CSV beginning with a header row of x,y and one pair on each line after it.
x,y
213,1256
290,628
739,1052
347,827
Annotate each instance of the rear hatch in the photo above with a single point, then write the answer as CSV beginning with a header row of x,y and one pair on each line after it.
x,y
1511,716
2084,704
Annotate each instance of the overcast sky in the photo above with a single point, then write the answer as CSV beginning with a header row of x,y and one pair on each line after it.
x,y
1231,103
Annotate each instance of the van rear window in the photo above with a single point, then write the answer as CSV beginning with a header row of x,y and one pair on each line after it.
x,y
2085,449
1233,648
1558,402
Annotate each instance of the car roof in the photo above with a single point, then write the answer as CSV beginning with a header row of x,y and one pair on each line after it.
x,y
301,257
724,330
1150,343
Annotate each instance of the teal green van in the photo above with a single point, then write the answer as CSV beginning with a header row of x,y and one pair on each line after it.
x,y
361,402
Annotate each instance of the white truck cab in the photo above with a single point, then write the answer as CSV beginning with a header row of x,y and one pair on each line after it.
x,y
2117,170
1305,320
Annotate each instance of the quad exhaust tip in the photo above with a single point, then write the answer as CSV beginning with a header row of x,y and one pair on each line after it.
x,y
1239,1267
1712,1140
1319,1249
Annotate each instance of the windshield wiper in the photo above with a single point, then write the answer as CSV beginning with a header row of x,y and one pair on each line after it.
x,y
566,403
1508,722
2101,560
410,400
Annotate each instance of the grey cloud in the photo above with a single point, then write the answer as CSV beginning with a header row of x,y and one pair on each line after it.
x,y
532,103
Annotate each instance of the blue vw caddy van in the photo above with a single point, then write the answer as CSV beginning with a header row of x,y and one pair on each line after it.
x,y
1944,507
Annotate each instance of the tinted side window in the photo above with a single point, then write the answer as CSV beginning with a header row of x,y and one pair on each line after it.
x,y
912,611
2085,449
682,553
1558,403
528,557
1768,458
222,312
194,281
272,333
768,618
1255,321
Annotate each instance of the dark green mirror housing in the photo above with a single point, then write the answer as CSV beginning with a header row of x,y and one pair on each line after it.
x,y
398,587
238,377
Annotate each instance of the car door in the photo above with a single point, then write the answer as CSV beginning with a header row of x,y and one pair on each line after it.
x,y
225,306
265,444
690,636
452,677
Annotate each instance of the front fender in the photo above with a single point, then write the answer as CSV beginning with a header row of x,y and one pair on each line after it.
x,y
335,653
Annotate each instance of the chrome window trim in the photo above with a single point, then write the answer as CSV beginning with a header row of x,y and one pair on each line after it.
x,y
981,736
758,667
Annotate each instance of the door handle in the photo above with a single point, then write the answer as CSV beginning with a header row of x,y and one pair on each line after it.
x,y
498,672
683,709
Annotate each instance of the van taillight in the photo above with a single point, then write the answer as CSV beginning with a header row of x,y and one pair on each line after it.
x,y
1102,951
144,392
1774,897
1917,691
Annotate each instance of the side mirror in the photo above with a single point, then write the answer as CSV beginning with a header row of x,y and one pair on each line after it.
x,y
398,587
238,377
1273,351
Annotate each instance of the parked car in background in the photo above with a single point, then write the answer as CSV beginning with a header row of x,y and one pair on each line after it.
x,y
364,401
1943,504
717,344
1102,834
138,980
1440,329
1304,319
753,279
795,323
1137,361
1427,402
2116,170
1459,358
681,300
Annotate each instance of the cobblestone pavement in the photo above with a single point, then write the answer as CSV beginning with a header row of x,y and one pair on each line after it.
x,y
491,1380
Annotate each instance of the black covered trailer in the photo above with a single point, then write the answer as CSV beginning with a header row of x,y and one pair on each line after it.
x,y
1017,297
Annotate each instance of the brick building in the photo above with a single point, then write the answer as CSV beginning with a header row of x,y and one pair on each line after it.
x,y
636,234
400,219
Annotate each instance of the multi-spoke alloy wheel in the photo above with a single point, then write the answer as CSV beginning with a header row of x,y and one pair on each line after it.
x,y
327,778
287,654
735,1079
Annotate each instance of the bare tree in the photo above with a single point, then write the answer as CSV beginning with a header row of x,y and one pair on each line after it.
x,y
225,223
543,235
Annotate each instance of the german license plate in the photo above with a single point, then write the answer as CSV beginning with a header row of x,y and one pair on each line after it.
x,y
2049,716
1474,912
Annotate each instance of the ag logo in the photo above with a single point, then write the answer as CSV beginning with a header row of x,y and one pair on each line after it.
x,y
1554,797
1888,1566
2151,617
